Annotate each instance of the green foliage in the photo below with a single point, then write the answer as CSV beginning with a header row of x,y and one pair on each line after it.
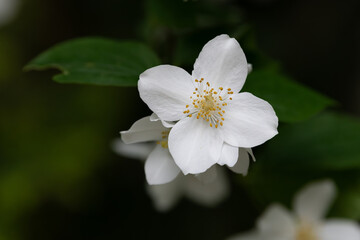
x,y
292,101
328,141
96,61
325,146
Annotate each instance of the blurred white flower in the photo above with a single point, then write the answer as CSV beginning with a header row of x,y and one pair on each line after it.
x,y
166,185
307,222
8,10
208,188
160,167
212,119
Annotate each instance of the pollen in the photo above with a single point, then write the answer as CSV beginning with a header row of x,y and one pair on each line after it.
x,y
207,103
164,139
306,232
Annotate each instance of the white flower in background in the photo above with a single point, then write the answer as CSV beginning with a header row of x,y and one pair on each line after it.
x,y
307,222
8,10
160,167
212,119
166,185
207,189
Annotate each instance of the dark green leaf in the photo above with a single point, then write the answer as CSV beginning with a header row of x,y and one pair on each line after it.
x,y
328,141
96,61
292,101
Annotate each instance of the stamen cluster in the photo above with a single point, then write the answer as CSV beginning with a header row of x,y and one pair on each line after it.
x,y
208,104
164,140
305,232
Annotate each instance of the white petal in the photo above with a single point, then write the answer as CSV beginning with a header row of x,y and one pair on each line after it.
x,y
340,229
160,167
194,145
136,151
166,90
313,201
208,194
249,121
222,63
229,155
277,221
247,236
249,150
243,162
143,130
165,196
167,124
154,117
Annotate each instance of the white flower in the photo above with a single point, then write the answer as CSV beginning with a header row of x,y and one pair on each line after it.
x,y
212,119
208,189
160,167
307,222
167,186
209,192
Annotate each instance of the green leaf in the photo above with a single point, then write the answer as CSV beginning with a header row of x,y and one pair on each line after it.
x,y
326,146
292,101
96,61
328,141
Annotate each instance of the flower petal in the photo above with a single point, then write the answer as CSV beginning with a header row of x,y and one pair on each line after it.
x,y
277,221
250,151
340,229
222,63
143,130
229,155
194,145
165,196
160,167
136,151
208,194
313,201
243,162
249,121
154,118
166,90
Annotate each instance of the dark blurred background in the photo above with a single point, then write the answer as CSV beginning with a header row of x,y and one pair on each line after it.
x,y
59,178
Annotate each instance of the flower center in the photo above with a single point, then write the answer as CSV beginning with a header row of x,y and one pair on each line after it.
x,y
306,232
208,104
164,139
